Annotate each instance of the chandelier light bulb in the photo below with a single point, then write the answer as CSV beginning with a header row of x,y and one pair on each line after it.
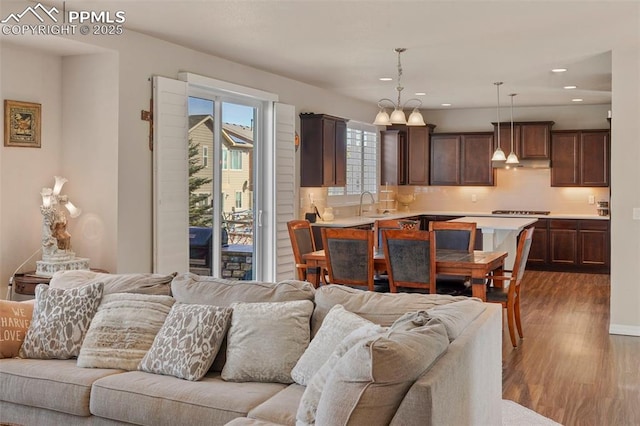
x,y
58,185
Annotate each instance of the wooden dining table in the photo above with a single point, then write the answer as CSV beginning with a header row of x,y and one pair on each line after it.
x,y
476,265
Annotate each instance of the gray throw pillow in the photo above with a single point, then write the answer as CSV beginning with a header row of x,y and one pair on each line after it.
x,y
336,326
265,340
188,341
60,321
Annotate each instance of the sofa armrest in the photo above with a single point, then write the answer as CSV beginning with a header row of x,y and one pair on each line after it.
x,y
464,387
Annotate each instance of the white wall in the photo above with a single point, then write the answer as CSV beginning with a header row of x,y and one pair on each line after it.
x,y
32,76
90,154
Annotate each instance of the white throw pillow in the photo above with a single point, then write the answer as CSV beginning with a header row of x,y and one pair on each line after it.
x,y
336,326
123,329
265,340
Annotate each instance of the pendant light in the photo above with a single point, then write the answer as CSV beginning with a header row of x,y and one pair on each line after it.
x,y
498,154
397,116
512,158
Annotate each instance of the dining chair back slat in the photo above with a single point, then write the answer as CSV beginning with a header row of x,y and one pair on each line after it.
x,y
454,235
380,225
411,259
349,254
302,242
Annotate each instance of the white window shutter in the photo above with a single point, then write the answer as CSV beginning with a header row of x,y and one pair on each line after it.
x,y
170,176
285,191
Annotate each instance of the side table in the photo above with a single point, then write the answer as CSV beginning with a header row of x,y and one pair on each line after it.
x,y
26,283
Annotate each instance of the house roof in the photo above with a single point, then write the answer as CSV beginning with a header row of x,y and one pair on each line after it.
x,y
234,135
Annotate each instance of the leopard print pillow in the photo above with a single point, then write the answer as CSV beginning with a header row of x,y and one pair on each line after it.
x,y
60,321
188,341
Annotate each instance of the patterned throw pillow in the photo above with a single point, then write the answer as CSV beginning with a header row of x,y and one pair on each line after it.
x,y
123,330
60,321
265,340
188,342
15,318
336,326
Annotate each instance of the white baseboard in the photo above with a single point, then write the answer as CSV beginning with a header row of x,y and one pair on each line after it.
x,y
627,330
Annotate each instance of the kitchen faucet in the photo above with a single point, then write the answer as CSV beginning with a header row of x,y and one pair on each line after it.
x,y
361,196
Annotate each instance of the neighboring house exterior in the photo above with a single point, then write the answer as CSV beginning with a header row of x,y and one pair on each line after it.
x,y
237,161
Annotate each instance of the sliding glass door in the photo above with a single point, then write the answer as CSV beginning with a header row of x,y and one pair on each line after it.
x,y
223,143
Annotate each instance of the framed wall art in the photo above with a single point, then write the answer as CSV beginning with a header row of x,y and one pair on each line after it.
x,y
22,124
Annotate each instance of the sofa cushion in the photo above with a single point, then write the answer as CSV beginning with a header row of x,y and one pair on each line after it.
x,y
57,385
380,308
188,341
280,408
123,330
458,315
60,321
152,399
265,340
144,283
191,288
336,326
369,382
15,318
245,421
306,412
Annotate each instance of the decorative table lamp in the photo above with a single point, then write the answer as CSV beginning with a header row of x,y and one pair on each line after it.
x,y
56,240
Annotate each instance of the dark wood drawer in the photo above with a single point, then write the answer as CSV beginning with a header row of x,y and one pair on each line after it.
x,y
563,224
594,225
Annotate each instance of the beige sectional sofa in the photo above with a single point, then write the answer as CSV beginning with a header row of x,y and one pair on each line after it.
x,y
462,387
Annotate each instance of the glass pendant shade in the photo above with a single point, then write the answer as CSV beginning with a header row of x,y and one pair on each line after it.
x,y
415,118
398,117
46,197
382,119
512,158
498,155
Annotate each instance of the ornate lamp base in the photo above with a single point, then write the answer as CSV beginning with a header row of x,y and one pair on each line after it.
x,y
47,267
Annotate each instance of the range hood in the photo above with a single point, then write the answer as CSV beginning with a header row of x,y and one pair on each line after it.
x,y
524,164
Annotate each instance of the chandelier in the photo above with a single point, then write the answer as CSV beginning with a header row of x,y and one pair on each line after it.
x,y
398,116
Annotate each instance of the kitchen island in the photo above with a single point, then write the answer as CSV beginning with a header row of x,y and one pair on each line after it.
x,y
500,233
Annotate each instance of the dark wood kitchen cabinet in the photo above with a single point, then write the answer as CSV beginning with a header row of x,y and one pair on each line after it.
x,y
573,245
580,158
404,155
531,139
462,159
323,150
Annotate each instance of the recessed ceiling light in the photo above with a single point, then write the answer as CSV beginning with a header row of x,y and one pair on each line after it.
x,y
559,70
385,79
576,100
420,93
571,87
445,104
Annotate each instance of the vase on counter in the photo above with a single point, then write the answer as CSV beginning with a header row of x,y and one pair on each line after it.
x,y
328,216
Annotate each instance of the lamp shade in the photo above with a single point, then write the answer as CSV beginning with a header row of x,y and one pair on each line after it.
x,y
382,119
415,118
46,194
512,158
398,117
73,210
498,155
58,185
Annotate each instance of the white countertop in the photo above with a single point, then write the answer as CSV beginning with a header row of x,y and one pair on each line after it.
x,y
370,219
502,223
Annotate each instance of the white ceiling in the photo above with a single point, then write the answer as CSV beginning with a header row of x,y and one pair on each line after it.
x,y
455,49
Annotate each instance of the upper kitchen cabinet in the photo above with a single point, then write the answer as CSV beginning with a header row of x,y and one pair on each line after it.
x,y
531,139
462,159
404,155
323,150
580,158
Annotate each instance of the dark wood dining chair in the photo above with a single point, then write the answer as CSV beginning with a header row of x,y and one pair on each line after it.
x,y
302,242
509,296
379,226
349,255
411,259
454,236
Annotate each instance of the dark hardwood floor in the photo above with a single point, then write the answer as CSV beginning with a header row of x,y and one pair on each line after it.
x,y
568,367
